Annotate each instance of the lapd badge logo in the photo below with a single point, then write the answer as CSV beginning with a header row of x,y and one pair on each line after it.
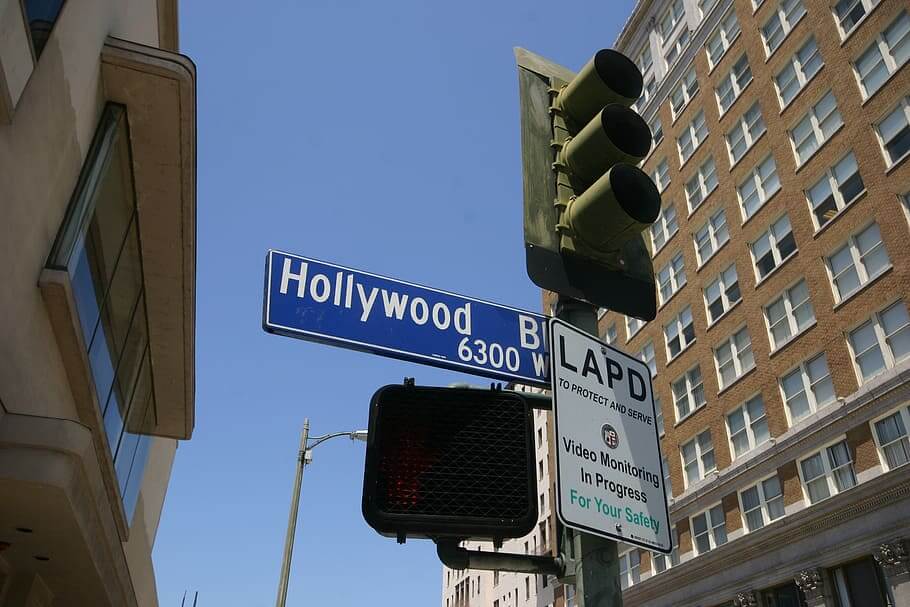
x,y
610,436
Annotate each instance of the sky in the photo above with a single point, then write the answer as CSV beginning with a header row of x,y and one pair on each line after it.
x,y
383,136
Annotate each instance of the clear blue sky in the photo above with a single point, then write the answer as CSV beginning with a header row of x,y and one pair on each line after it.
x,y
379,135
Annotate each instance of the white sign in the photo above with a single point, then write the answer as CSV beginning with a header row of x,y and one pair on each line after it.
x,y
609,479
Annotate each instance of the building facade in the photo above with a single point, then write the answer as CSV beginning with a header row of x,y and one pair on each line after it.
x,y
780,353
98,202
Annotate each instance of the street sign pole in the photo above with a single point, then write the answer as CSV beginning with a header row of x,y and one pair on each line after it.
x,y
596,558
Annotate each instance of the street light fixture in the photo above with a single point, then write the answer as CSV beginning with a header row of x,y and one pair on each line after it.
x,y
304,457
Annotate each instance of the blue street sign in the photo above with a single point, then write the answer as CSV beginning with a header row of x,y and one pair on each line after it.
x,y
331,304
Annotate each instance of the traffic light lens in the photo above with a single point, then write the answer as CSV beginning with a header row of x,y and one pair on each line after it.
x,y
619,73
627,130
635,193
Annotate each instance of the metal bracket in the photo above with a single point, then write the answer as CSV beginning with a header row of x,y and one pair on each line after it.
x,y
455,557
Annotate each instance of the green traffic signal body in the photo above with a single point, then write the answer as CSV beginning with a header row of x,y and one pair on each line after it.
x,y
616,134
609,77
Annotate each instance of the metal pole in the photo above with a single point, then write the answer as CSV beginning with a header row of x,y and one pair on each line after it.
x,y
596,558
292,518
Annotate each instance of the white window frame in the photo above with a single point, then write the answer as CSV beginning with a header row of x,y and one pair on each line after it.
x,y
799,72
633,326
685,90
732,79
857,263
786,298
724,35
904,413
642,355
882,342
657,131
717,223
678,324
711,528
885,54
645,66
691,133
611,335
702,183
740,353
818,136
762,189
669,560
676,11
675,49
867,5
700,452
721,279
745,130
774,245
661,175
763,503
675,270
903,104
659,422
828,470
691,402
829,178
629,572
786,25
808,388
748,427
666,224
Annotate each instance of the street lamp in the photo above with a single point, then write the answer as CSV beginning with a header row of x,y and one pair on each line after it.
x,y
304,457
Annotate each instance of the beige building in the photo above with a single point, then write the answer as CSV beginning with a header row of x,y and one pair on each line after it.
x,y
97,225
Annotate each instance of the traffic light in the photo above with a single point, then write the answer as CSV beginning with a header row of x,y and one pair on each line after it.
x,y
446,463
586,204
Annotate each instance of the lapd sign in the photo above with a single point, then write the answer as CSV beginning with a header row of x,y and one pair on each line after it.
x,y
609,480
332,304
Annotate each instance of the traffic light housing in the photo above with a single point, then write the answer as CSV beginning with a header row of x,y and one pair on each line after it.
x,y
449,463
586,203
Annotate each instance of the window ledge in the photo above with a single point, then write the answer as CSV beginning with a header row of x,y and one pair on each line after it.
x,y
848,35
801,90
669,299
683,163
801,165
837,215
792,339
670,359
711,256
720,114
883,84
783,262
700,204
690,414
871,282
897,163
724,315
682,110
711,68
736,381
664,245
760,207
747,150
784,39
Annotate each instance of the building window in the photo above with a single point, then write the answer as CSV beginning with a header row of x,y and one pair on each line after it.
x,y
760,185
828,472
798,71
629,568
657,131
789,315
644,60
41,16
671,278
894,133
709,529
711,236
837,189
633,326
692,137
664,227
688,393
661,175
785,16
773,247
891,438
721,293
815,128
610,334
661,561
747,426
745,133
658,416
887,53
860,583
665,464
683,93
762,503
848,14
647,92
647,356
670,19
807,388
882,341
702,183
861,259
731,86
98,245
733,357
727,31
698,457
676,49
679,333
